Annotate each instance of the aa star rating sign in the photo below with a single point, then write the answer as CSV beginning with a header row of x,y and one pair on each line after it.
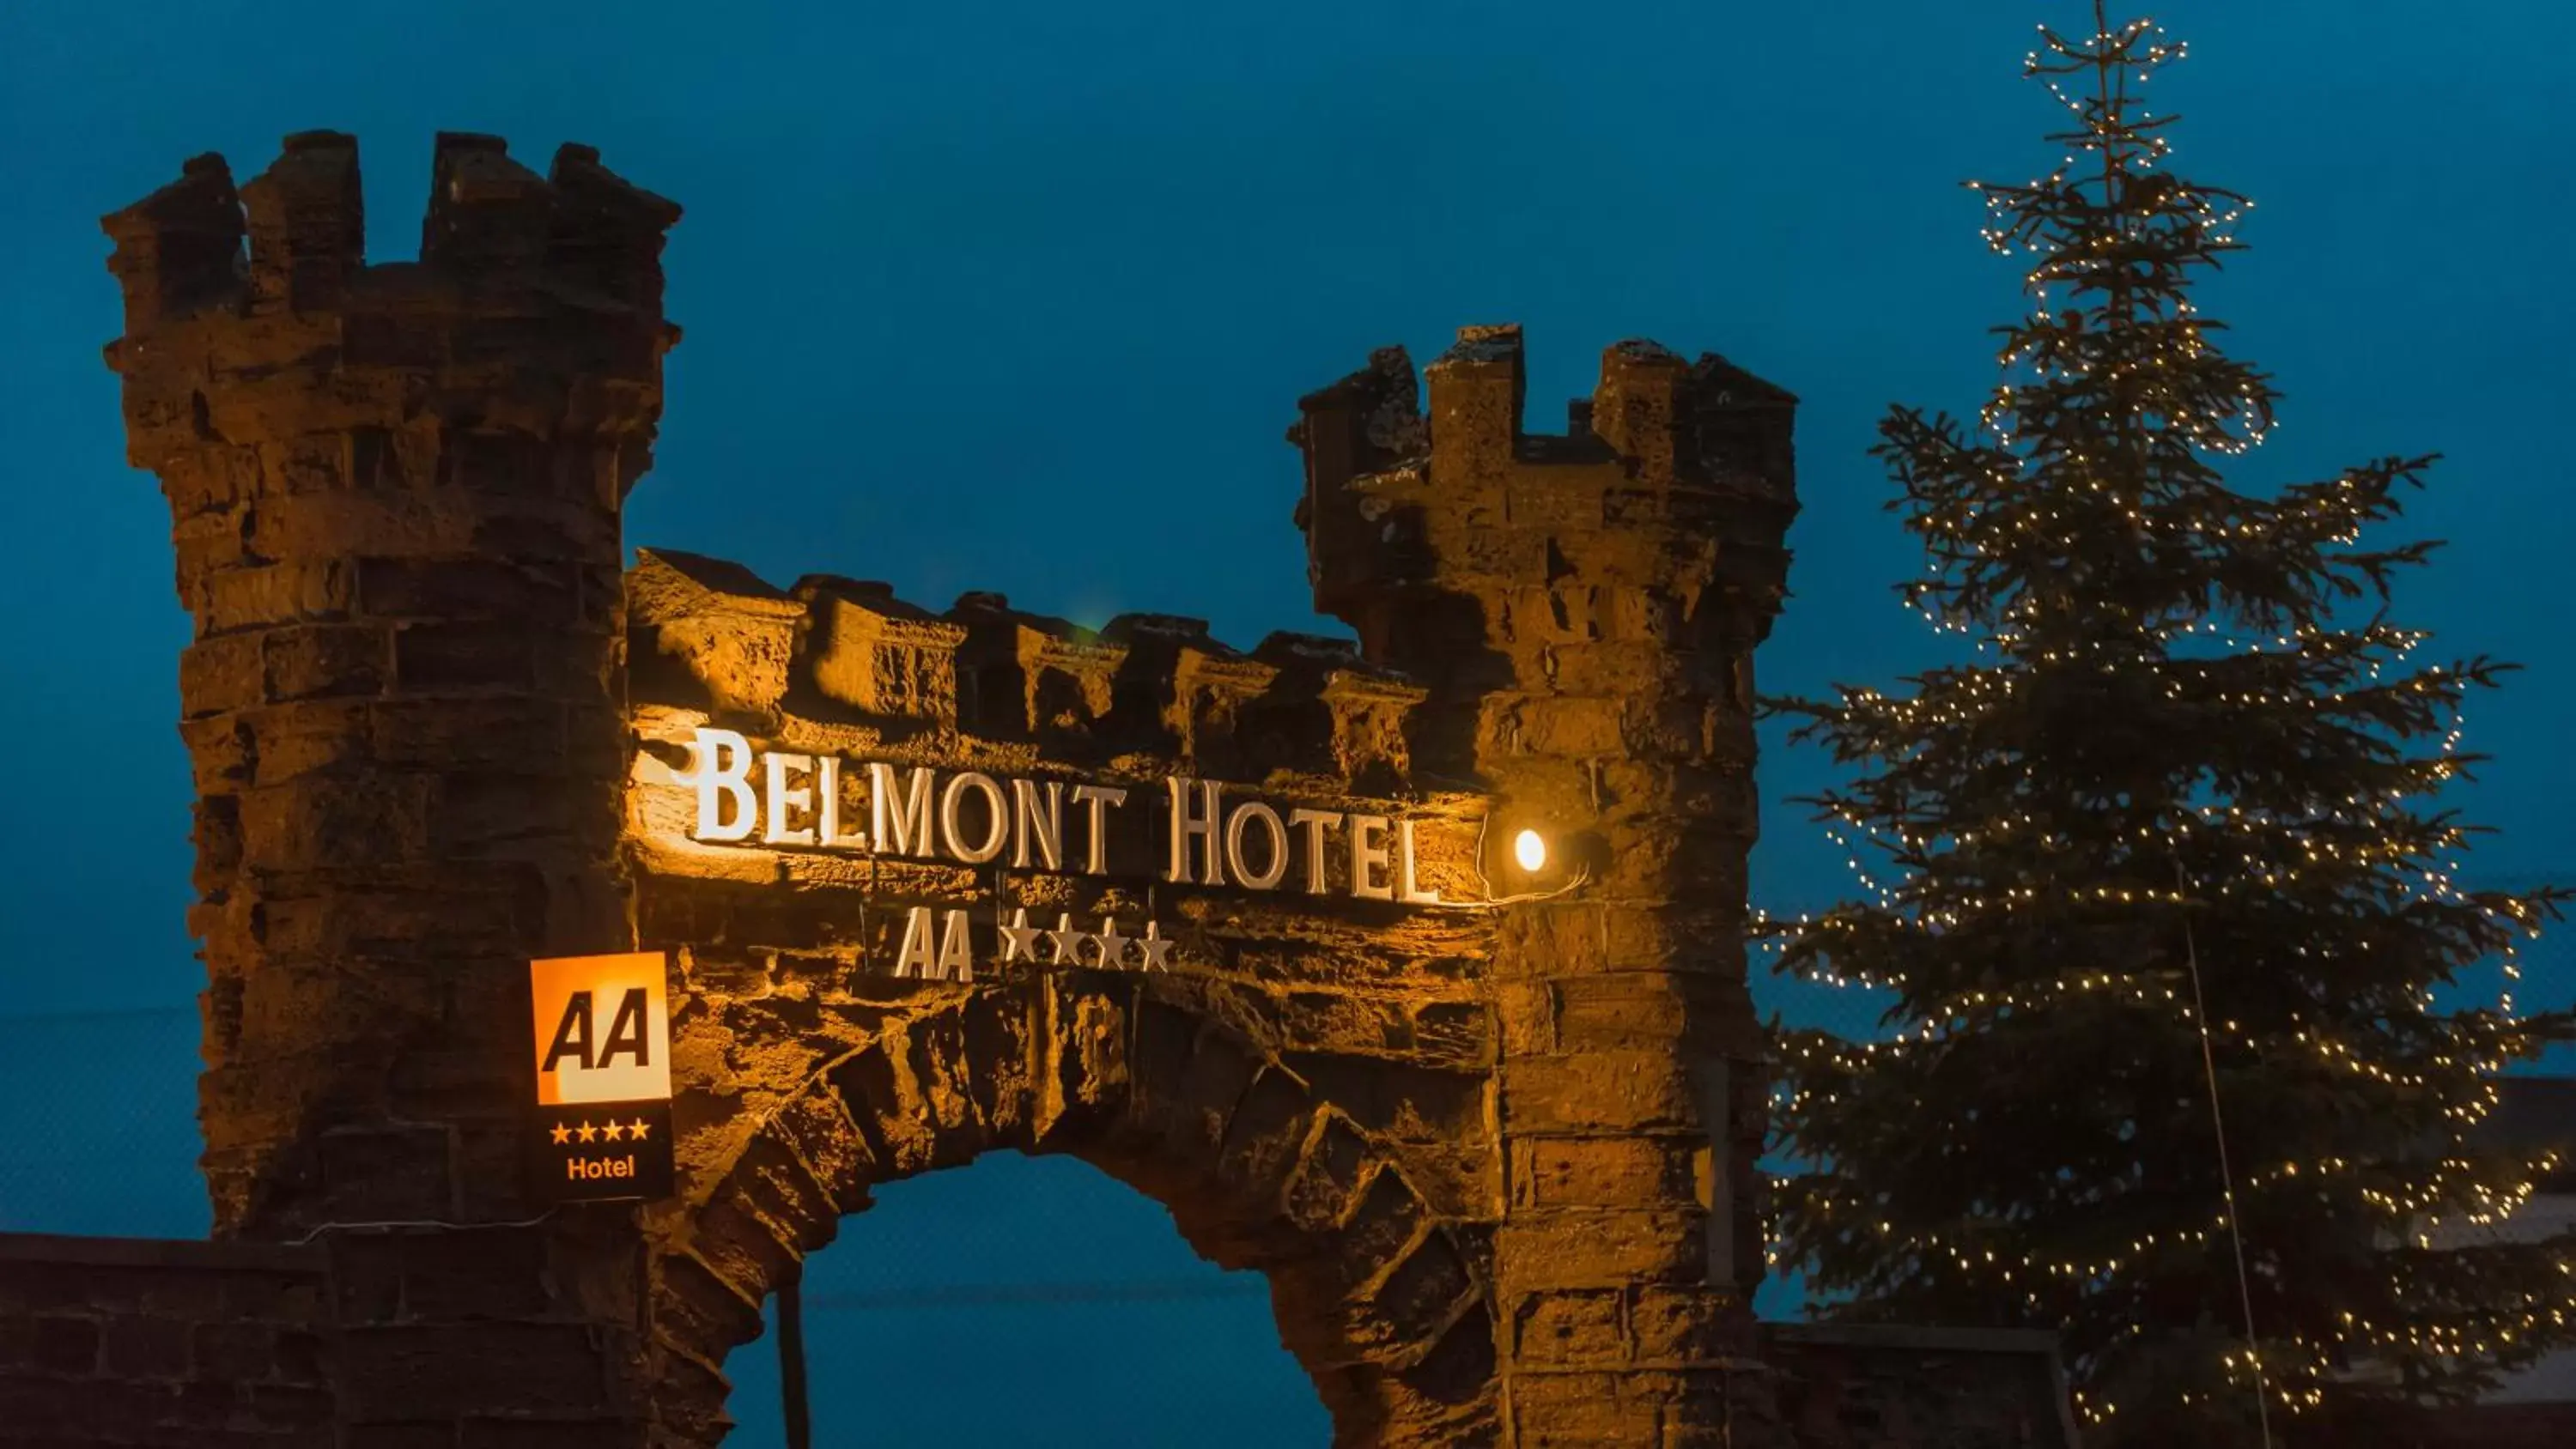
x,y
602,1127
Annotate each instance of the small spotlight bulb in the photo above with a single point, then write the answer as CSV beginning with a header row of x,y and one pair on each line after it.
x,y
1530,849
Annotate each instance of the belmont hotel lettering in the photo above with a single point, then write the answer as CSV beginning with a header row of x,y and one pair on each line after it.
x,y
782,799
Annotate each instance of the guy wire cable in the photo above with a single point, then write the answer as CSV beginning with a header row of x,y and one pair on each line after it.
x,y
2226,1176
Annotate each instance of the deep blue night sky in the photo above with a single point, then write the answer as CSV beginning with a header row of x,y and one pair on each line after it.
x,y
1021,296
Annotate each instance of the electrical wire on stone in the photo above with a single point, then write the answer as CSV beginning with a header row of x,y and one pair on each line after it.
x,y
403,1224
1582,877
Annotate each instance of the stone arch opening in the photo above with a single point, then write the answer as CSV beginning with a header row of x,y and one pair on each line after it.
x,y
1025,1300
1379,1292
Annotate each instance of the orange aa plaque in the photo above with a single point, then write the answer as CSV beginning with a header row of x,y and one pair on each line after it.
x,y
602,1032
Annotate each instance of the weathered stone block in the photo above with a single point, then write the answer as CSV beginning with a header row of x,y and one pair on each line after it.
x,y
1602,1246
311,823
1332,1021
1526,1009
693,1304
66,1344
552,1432
138,1345
1383,1221
247,597
1689,1324
1319,1190
1560,939
388,1173
468,588
490,1274
386,1373
483,813
221,674
1622,1010
325,661
215,829
466,734
748,1249
233,1351
287,741
1426,1291
218,754
437,657
1606,1171
1573,725
213,476
823,1139
1576,1410
1616,1090
1457,1034
1570,1328
399,1436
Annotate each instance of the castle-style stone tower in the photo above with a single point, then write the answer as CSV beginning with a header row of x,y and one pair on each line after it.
x,y
395,493
1584,610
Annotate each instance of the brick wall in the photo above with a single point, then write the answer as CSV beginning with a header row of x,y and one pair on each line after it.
x,y
107,1341
2508,1426
2495,1426
1919,1388
480,1338
131,1342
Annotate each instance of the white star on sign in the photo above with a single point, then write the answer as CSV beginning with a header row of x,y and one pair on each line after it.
x,y
1157,951
1068,941
1019,938
1113,947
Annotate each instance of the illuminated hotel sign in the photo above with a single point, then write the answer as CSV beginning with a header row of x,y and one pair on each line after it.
x,y
773,798
602,1033
1189,832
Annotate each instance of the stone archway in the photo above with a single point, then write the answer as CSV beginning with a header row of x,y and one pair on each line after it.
x,y
1493,1146
1380,1294
1306,1082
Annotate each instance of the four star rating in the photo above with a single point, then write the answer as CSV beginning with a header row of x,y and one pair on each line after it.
x,y
602,1151
939,943
613,1130
1067,945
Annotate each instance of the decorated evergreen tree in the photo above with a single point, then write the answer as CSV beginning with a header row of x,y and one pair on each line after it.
x,y
2160,881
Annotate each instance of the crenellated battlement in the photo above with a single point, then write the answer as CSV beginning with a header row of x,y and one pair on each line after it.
x,y
293,239
1654,421
1674,477
535,310
991,681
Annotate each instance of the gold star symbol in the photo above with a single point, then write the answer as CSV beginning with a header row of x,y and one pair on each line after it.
x,y
615,1131
640,1128
1113,947
1158,952
589,1133
1019,938
1068,941
562,1134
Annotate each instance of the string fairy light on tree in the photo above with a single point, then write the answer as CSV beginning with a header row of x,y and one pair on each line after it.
x,y
2171,841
